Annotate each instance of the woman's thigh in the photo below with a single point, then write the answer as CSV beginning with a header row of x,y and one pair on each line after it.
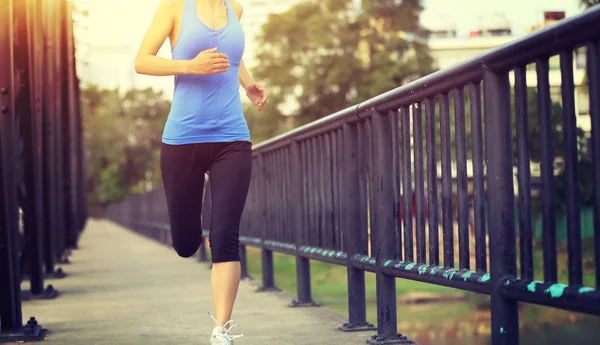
x,y
183,168
229,179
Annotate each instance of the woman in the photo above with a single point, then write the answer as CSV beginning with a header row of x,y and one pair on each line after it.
x,y
205,131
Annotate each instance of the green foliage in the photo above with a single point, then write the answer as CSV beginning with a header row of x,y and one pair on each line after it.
x,y
122,139
534,135
588,3
326,57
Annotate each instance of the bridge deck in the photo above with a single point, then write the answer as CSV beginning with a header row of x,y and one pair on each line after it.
x,y
126,289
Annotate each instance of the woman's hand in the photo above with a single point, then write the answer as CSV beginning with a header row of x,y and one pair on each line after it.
x,y
208,62
257,95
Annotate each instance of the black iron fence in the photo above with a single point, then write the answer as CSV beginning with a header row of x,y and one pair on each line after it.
x,y
385,186
42,190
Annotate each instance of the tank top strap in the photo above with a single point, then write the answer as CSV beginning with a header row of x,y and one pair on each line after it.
x,y
189,12
229,8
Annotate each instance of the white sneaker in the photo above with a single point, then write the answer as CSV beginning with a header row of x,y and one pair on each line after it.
x,y
221,335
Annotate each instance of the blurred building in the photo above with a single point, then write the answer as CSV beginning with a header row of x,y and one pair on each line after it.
x,y
494,30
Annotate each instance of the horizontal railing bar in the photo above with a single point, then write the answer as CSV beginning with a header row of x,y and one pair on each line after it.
x,y
451,277
571,298
319,126
251,241
363,262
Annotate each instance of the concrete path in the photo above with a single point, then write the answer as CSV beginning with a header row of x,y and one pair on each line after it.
x,y
125,289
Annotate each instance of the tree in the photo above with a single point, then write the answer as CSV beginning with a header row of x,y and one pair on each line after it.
x,y
557,134
588,3
122,139
325,56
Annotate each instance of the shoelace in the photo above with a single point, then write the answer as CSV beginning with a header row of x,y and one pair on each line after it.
x,y
226,328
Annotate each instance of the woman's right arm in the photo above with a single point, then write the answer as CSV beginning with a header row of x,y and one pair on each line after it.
x,y
146,61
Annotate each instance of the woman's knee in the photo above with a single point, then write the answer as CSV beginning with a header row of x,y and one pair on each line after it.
x,y
224,249
185,249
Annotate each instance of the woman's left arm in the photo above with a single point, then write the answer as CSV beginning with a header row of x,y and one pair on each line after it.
x,y
245,77
255,92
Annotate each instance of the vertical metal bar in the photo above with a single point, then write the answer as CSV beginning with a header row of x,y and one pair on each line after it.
x,y
48,147
290,205
65,127
593,73
335,189
296,224
279,206
202,251
362,185
285,209
446,157
419,183
478,186
271,196
278,195
505,314
383,200
396,173
369,163
315,192
73,114
24,110
243,261
353,227
571,171
268,279
10,282
305,180
407,193
327,169
321,171
461,175
309,193
524,174
340,186
432,193
58,134
547,171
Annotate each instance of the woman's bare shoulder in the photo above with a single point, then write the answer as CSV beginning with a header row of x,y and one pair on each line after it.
x,y
172,6
237,8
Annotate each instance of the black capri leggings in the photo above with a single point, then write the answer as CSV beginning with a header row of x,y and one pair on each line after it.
x,y
183,168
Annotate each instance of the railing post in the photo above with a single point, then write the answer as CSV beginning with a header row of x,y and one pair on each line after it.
x,y
295,198
383,201
10,290
500,200
25,112
206,219
202,251
354,231
243,262
11,318
268,277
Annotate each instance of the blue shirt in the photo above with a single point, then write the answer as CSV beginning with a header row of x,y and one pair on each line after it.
x,y
207,108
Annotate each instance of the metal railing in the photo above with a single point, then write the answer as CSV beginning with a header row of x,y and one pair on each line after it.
x,y
341,189
41,156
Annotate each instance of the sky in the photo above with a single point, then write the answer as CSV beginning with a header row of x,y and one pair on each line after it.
x,y
120,25
128,19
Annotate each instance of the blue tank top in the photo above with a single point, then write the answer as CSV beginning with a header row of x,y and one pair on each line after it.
x,y
207,108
